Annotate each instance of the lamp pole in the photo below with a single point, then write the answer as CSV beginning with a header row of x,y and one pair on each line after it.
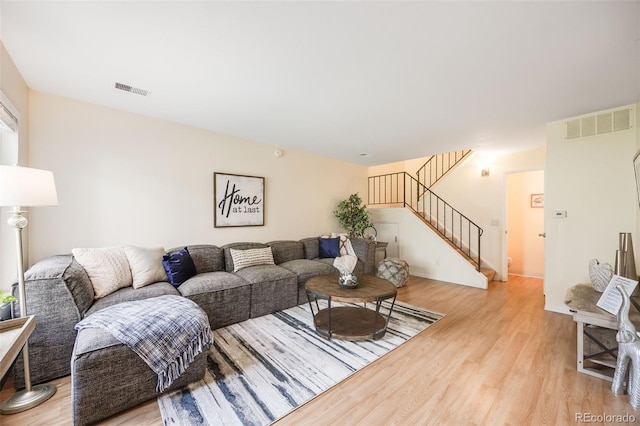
x,y
23,186
31,395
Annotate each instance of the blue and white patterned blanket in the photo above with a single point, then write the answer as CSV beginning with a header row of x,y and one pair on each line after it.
x,y
167,332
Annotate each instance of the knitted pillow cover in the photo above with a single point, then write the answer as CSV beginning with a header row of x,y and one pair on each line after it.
x,y
251,257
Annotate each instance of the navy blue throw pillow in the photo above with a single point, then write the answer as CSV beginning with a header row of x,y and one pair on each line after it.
x,y
329,247
179,266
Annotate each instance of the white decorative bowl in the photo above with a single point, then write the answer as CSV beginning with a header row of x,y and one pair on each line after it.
x,y
348,281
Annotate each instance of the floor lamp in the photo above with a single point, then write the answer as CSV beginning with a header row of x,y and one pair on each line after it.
x,y
25,187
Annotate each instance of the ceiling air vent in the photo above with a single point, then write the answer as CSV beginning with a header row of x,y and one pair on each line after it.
x,y
588,125
621,120
604,123
132,89
598,124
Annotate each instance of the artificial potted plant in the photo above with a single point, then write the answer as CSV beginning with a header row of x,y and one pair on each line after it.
x,y
5,306
353,216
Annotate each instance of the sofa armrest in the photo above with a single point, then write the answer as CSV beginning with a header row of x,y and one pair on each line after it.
x,y
366,252
58,293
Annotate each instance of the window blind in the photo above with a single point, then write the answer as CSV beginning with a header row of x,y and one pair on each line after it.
x,y
7,118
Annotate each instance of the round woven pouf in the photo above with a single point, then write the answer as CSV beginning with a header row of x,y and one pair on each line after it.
x,y
393,270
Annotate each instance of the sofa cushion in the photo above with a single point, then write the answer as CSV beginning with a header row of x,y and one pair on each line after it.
x,y
107,268
206,257
329,247
128,294
305,268
273,288
260,273
311,248
251,257
225,297
283,251
326,260
179,266
210,282
146,265
228,259
104,370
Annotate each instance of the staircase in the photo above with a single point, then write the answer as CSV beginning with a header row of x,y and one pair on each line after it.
x,y
403,190
437,166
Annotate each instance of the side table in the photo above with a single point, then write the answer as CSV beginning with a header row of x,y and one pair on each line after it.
x,y
13,335
381,251
597,349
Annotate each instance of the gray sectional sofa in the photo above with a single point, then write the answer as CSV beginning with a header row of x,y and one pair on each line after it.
x,y
60,294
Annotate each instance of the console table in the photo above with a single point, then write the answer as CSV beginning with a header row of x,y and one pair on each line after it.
x,y
597,349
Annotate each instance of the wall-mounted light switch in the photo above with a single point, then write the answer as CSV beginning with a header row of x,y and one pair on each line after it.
x,y
560,214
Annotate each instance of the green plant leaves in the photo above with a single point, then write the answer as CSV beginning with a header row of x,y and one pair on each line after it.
x,y
353,216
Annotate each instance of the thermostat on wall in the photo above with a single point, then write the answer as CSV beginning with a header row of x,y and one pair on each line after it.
x,y
560,214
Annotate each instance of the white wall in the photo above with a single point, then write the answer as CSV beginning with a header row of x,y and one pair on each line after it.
x,y
592,179
426,253
483,199
15,89
125,178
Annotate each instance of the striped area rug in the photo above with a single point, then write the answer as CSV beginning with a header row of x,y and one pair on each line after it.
x,y
261,369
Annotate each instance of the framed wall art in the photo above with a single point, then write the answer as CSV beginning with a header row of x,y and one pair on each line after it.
x,y
537,200
238,200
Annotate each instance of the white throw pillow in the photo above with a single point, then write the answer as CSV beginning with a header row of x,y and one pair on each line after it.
x,y
146,265
251,257
343,241
108,268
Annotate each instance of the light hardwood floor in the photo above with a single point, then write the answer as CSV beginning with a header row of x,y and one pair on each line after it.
x,y
497,358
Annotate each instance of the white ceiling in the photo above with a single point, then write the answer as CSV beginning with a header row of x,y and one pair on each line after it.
x,y
396,80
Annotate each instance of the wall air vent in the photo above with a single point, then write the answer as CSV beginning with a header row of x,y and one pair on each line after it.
x,y
132,89
598,124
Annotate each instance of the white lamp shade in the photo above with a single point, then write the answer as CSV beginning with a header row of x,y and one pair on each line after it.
x,y
25,187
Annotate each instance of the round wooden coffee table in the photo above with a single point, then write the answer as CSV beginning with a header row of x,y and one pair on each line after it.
x,y
349,322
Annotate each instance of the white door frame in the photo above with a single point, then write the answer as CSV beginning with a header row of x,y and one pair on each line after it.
x,y
504,267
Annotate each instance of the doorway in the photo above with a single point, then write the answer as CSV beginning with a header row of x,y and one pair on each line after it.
x,y
524,224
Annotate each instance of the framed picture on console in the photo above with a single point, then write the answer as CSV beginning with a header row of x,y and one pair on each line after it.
x,y
238,200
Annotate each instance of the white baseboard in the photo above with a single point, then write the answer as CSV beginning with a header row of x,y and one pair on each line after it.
x,y
561,309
